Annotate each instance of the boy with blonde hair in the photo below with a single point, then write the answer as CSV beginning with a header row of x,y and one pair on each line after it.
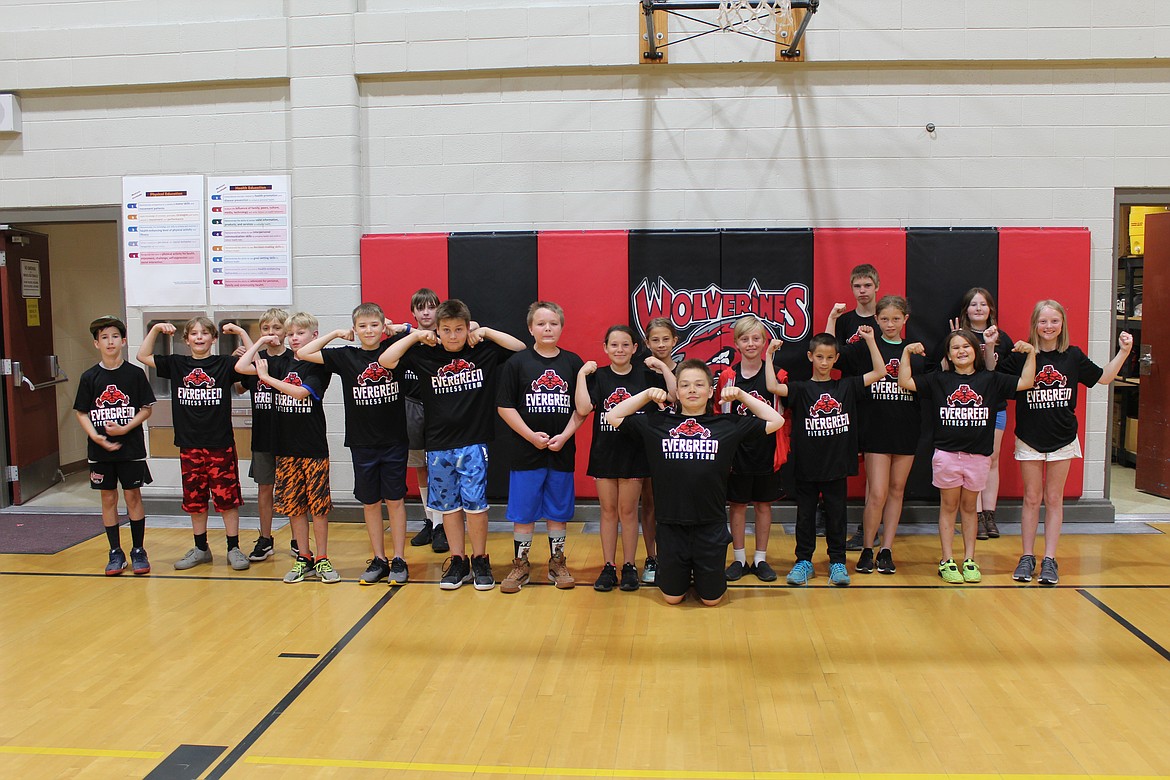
x,y
262,469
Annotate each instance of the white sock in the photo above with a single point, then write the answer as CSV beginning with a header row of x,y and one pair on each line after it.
x,y
422,493
740,554
759,557
436,518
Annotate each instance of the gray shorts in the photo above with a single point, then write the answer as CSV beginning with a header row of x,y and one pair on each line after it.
x,y
416,459
263,468
414,426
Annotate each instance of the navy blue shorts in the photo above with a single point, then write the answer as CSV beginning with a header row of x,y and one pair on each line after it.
x,y
379,473
540,494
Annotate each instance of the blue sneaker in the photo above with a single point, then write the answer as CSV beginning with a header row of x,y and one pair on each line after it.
x,y
801,573
838,574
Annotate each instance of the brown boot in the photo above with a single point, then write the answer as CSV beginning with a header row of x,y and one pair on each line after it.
x,y
982,526
517,578
992,528
558,573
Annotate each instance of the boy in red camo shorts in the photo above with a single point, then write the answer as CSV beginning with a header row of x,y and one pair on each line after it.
x,y
201,405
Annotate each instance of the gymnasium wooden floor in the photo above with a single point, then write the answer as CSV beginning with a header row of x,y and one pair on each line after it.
x,y
902,676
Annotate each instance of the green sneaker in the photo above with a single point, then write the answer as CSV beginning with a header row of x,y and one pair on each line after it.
x,y
301,568
325,571
971,571
949,571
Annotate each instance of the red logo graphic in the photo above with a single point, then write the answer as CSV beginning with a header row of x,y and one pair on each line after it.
x,y
1050,377
964,396
892,368
550,380
293,379
825,406
112,396
689,427
856,337
375,372
704,318
615,398
743,410
457,366
198,377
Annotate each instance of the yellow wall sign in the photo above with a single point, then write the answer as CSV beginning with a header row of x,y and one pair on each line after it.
x,y
33,307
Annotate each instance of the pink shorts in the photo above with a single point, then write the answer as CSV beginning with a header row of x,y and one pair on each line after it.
x,y
960,469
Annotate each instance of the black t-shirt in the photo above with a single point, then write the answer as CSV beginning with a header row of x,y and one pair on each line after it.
x,y
458,392
613,455
1046,418
849,322
114,395
890,418
201,398
262,412
542,390
299,431
690,458
962,408
1003,348
375,412
824,427
755,456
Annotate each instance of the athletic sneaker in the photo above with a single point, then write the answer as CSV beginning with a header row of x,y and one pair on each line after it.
x,y
139,563
425,535
949,571
735,571
237,559
1025,568
193,558
378,570
607,580
326,571
650,570
838,575
1048,572
801,573
293,550
399,573
302,567
992,528
971,571
457,572
481,571
439,541
558,573
764,572
981,526
519,576
865,562
856,542
629,577
263,549
117,563
885,561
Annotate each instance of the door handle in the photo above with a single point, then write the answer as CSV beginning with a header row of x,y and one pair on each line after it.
x,y
59,376
1146,360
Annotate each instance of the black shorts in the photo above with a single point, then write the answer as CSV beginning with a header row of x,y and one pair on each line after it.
x,y
693,553
753,488
106,475
379,473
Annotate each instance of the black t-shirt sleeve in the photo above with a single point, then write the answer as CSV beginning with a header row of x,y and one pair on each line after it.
x,y
591,386
1012,363
1088,372
84,393
164,366
508,388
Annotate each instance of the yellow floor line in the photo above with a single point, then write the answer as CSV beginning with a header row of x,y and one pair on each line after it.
x,y
663,774
84,752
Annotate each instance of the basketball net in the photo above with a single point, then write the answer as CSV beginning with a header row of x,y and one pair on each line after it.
x,y
755,17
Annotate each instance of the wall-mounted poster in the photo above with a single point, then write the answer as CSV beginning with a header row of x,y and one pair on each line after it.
x,y
162,241
249,234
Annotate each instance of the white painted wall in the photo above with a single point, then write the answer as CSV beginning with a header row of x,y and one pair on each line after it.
x,y
398,116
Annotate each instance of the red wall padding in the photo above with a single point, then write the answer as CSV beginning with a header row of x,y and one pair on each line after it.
x,y
1035,264
394,266
587,273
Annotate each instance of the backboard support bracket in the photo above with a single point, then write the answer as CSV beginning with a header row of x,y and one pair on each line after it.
x,y
655,38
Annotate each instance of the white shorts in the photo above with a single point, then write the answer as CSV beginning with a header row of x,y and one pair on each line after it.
x,y
1070,451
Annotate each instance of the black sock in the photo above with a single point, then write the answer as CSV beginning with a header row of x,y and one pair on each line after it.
x,y
138,532
201,541
113,537
233,542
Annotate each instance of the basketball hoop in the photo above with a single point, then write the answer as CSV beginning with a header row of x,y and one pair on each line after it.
x,y
756,17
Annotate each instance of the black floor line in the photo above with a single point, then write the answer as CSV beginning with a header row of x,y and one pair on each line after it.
x,y
299,655
266,722
1130,627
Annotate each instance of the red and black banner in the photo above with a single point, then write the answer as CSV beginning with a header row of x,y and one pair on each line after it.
x,y
703,280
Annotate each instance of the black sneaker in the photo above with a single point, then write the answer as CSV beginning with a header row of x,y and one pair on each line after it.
x,y
856,542
424,536
885,561
139,563
439,541
293,550
607,580
735,571
1049,574
764,572
458,571
377,571
629,577
865,562
481,570
399,573
263,549
117,563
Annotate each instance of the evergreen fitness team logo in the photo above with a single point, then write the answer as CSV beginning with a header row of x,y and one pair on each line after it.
x,y
198,389
704,318
112,406
112,396
373,373
690,441
198,378
826,417
742,410
964,396
1050,377
457,376
549,381
615,398
550,395
964,409
1051,389
824,406
892,368
690,427
375,385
